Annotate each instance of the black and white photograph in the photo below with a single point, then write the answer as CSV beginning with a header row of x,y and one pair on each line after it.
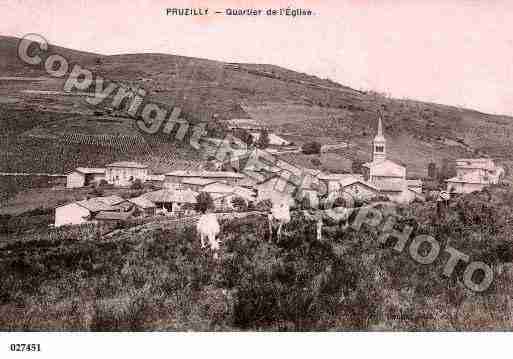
x,y
245,166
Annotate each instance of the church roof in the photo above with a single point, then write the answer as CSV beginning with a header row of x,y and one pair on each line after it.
x,y
385,168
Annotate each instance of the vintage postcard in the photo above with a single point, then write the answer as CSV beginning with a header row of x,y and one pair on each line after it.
x,y
268,166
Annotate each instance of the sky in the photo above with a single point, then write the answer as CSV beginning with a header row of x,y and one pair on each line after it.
x,y
454,52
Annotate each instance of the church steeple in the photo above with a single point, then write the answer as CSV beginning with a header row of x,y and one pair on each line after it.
x,y
380,128
379,153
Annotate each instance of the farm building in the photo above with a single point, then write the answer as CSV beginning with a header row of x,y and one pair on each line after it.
x,y
143,206
125,173
84,176
87,210
172,201
224,194
72,213
174,180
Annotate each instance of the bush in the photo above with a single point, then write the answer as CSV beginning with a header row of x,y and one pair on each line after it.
x,y
263,140
239,204
137,185
311,148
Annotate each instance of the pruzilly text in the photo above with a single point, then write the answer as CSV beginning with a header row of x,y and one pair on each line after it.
x,y
187,11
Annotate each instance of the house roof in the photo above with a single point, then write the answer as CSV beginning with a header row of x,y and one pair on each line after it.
x,y
351,181
142,202
90,170
205,174
247,182
385,168
218,188
475,163
113,216
127,164
222,188
169,196
155,177
339,176
198,181
95,205
111,200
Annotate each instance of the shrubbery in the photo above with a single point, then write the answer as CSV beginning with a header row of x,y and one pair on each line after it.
x,y
310,148
160,279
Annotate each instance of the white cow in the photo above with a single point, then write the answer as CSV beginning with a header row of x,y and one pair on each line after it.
x,y
208,227
280,213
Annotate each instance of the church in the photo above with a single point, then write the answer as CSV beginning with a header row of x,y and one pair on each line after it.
x,y
389,177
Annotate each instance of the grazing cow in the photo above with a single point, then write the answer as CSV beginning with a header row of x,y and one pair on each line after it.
x,y
280,213
208,227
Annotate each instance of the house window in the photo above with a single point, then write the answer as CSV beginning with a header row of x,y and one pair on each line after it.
x,y
379,148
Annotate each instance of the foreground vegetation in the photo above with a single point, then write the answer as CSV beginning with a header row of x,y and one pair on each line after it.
x,y
156,276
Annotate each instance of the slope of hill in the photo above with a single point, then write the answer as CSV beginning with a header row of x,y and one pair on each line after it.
x,y
294,104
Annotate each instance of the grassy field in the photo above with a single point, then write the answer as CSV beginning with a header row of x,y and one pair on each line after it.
x,y
156,277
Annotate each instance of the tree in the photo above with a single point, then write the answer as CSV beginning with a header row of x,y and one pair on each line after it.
x,y
263,140
204,202
311,148
244,136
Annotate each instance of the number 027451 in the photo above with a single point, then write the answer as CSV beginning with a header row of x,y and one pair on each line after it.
x,y
25,347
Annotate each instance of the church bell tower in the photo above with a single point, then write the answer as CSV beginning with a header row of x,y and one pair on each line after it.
x,y
379,153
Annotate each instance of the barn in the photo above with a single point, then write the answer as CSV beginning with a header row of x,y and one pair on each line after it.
x,y
173,202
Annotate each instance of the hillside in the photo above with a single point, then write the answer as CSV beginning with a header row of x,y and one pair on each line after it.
x,y
296,105
155,276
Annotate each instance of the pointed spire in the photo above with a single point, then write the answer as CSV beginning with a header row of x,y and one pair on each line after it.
x,y
380,127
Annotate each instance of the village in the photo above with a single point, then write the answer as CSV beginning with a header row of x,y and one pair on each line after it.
x,y
177,193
